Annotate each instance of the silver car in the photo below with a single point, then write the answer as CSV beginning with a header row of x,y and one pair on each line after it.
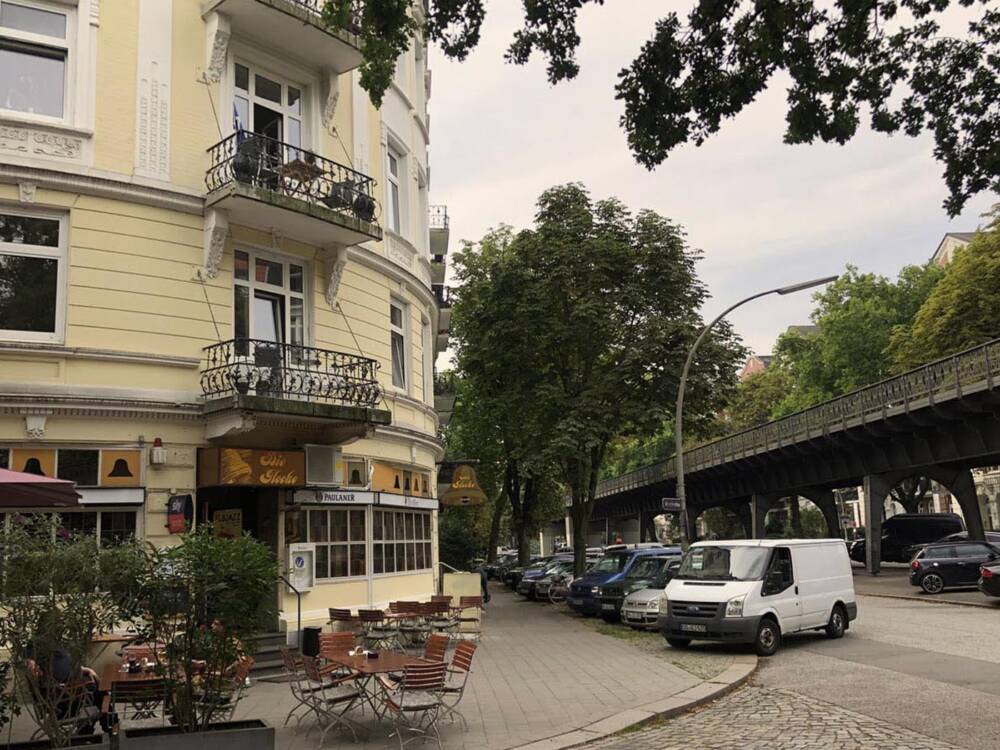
x,y
641,608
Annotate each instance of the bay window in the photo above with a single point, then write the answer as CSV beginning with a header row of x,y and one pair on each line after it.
x,y
32,273
34,51
401,541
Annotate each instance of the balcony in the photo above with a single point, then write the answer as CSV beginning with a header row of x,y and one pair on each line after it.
x,y
296,26
287,393
267,184
437,222
444,315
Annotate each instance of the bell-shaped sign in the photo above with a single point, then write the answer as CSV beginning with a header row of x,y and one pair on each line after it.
x,y
464,489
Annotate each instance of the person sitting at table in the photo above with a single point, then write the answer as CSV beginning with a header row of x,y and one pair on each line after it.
x,y
54,667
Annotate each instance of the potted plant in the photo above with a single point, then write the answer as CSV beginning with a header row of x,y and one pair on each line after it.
x,y
198,606
56,595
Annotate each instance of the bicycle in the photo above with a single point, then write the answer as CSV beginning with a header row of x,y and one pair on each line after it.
x,y
559,589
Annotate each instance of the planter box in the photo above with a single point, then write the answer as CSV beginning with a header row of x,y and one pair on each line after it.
x,y
252,734
95,740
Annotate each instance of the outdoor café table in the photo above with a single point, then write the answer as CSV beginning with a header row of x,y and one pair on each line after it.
x,y
114,679
369,669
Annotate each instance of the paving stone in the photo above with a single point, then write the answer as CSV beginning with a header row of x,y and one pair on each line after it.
x,y
755,718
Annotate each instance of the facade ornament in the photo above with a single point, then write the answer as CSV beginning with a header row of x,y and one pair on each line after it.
x,y
336,262
95,12
332,97
215,232
218,32
34,425
26,192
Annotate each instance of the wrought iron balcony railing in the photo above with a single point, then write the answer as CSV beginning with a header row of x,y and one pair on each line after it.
x,y
286,170
287,371
350,15
949,378
437,217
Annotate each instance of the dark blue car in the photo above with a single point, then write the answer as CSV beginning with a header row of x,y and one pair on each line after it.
x,y
584,594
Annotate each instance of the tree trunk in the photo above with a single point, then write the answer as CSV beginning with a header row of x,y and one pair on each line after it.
x,y
910,492
581,524
498,508
794,516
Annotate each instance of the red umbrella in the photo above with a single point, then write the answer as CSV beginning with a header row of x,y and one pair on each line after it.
x,y
20,490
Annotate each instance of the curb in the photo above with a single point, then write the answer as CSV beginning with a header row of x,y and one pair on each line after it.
x,y
731,678
926,600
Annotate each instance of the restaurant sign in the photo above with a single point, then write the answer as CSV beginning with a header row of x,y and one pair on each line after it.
x,y
334,497
249,467
407,501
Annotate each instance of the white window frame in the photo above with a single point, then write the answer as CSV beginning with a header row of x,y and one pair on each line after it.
x,y
284,80
38,251
284,290
365,542
423,539
99,510
394,212
403,331
68,46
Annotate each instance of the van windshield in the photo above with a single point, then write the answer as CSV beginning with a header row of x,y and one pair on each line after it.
x,y
611,563
724,564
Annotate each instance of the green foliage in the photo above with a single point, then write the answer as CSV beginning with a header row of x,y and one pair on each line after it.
x,y
889,61
855,319
205,599
963,310
722,523
57,593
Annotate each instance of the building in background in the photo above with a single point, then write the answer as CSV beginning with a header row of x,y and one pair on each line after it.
x,y
219,298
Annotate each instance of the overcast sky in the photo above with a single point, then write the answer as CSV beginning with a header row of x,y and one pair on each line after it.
x,y
763,213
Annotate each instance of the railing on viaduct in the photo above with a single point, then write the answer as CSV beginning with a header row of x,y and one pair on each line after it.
x,y
950,378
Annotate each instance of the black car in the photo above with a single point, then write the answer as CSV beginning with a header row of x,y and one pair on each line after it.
x,y
900,532
641,576
992,537
989,579
940,566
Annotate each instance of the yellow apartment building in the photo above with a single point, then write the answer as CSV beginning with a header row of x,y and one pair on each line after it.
x,y
221,285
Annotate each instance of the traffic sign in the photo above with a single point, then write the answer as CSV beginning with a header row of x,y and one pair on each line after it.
x,y
670,504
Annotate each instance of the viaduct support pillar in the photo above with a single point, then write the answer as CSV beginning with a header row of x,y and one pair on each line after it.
x,y
759,506
961,484
877,488
745,513
824,500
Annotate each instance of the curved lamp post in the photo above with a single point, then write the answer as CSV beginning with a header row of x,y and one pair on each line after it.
x,y
678,421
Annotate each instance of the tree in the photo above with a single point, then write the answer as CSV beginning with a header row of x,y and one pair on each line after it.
x,y
889,59
963,310
611,301
499,371
757,396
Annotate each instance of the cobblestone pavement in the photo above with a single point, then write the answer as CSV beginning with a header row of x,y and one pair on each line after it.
x,y
756,718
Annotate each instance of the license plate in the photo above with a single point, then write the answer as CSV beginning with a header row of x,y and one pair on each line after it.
x,y
692,628
608,606
573,601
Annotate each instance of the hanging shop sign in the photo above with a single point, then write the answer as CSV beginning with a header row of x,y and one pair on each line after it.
x,y
180,513
227,523
334,497
464,488
249,467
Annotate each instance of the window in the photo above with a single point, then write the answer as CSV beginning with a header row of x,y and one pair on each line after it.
x,y
940,553
31,277
339,536
393,158
397,342
973,550
109,527
34,49
78,466
401,541
357,473
4,458
268,300
264,103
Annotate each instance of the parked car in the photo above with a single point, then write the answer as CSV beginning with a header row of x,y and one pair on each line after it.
x,y
907,529
513,576
561,575
940,566
641,576
612,567
526,586
503,560
989,579
992,537
641,607
758,591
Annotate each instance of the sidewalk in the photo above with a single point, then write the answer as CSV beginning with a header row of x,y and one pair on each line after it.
x,y
536,674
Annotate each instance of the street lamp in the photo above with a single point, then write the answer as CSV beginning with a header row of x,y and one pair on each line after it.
x,y
678,421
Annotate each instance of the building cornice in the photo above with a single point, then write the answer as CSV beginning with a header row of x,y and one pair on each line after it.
x,y
97,408
107,355
409,436
104,185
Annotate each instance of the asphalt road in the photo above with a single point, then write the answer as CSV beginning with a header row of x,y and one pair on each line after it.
x,y
933,668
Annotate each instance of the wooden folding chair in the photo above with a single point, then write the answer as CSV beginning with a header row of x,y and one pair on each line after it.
x,y
458,678
414,703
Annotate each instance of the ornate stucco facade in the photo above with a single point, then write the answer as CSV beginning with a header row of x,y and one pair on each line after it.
x,y
215,245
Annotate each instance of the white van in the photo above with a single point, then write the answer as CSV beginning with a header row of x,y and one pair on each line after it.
x,y
757,590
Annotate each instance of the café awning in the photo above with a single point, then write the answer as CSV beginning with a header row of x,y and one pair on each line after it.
x,y
20,490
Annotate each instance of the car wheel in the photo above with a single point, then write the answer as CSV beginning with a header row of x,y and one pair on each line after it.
x,y
932,583
679,642
768,638
838,623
